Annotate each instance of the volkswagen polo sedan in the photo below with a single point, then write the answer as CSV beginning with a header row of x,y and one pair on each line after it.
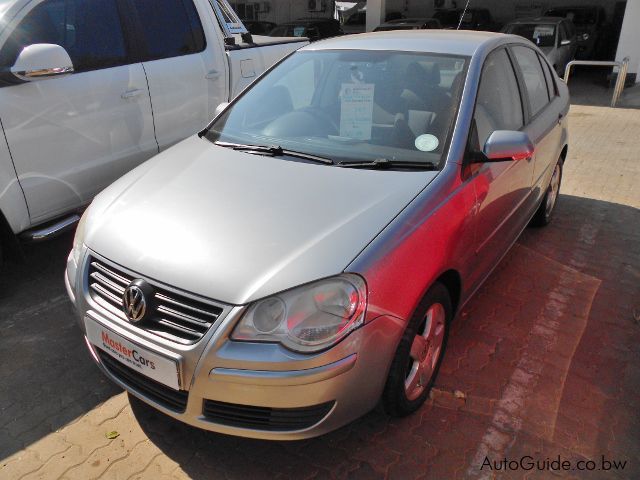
x,y
301,259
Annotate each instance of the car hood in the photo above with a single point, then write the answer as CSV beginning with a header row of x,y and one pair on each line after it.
x,y
236,227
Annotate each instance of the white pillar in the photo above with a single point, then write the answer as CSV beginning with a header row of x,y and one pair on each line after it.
x,y
376,11
629,43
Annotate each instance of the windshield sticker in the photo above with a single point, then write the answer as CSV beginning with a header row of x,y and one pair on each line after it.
x,y
356,110
298,31
543,31
427,142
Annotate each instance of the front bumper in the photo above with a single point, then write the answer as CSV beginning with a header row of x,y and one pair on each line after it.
x,y
254,389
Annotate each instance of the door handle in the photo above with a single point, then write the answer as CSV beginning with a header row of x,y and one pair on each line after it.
x,y
131,93
212,75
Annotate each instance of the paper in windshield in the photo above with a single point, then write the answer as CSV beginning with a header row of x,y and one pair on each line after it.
x,y
356,110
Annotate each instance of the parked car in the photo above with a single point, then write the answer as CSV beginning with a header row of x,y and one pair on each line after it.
x,y
302,258
555,36
312,28
259,27
86,97
357,22
589,21
409,24
472,19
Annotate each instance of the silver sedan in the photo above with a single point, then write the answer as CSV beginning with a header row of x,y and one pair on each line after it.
x,y
302,258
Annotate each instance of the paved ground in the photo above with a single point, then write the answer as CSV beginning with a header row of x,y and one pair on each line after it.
x,y
543,363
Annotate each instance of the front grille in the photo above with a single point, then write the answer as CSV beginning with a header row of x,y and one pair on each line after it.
x,y
175,317
175,400
265,418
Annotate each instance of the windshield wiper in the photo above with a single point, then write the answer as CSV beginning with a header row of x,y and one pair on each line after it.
x,y
275,151
383,163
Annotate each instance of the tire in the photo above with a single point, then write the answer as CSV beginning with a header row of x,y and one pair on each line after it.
x,y
544,214
410,378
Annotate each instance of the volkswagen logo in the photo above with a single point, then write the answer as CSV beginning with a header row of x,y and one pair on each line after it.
x,y
135,300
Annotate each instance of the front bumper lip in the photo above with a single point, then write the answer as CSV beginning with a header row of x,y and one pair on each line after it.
x,y
284,377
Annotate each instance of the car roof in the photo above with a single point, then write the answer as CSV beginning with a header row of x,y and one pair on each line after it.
x,y
453,42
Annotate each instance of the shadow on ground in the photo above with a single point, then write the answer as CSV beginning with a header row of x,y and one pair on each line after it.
x,y
48,377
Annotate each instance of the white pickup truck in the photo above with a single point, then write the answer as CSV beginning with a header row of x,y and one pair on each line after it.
x,y
91,89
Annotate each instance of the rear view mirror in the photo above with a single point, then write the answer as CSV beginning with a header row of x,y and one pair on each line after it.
x,y
565,43
42,61
508,145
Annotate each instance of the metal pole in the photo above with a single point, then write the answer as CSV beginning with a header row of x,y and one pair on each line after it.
x,y
620,81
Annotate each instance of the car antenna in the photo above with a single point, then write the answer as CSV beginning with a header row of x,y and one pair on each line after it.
x,y
464,12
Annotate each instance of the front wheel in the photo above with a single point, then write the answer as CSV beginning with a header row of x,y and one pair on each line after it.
x,y
544,213
419,354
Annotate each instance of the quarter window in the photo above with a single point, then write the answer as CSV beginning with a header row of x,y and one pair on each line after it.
x,y
169,28
498,106
533,78
89,30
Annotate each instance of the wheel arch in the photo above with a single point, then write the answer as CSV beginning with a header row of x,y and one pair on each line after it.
x,y
452,281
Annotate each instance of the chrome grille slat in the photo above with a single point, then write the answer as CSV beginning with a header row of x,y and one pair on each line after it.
x,y
165,299
176,317
105,282
186,318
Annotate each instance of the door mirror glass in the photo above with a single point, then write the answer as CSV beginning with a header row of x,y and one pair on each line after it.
x,y
508,145
220,108
564,43
42,61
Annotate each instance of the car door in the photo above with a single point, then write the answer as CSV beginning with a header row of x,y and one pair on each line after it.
x,y
72,136
545,114
183,57
503,188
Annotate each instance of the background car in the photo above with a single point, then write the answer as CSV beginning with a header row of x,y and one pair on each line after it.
x,y
312,28
555,36
589,21
473,19
409,24
259,27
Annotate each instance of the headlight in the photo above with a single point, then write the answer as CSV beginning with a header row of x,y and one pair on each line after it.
x,y
78,240
308,318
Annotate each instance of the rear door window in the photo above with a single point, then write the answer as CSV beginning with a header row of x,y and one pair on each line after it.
x,y
90,31
534,78
169,28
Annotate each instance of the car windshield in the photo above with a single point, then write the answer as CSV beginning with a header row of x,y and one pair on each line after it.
x,y
579,16
543,35
386,28
351,105
448,17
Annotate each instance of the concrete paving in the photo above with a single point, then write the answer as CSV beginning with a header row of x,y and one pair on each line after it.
x,y
542,366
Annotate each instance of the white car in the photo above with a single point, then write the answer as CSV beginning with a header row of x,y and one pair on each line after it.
x,y
124,81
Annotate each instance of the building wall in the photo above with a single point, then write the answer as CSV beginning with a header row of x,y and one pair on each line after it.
x,y
629,44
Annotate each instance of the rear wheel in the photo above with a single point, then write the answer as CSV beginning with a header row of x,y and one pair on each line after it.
x,y
544,214
419,354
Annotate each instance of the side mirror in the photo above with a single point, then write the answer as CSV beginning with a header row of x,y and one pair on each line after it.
x,y
42,61
508,145
564,43
220,108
